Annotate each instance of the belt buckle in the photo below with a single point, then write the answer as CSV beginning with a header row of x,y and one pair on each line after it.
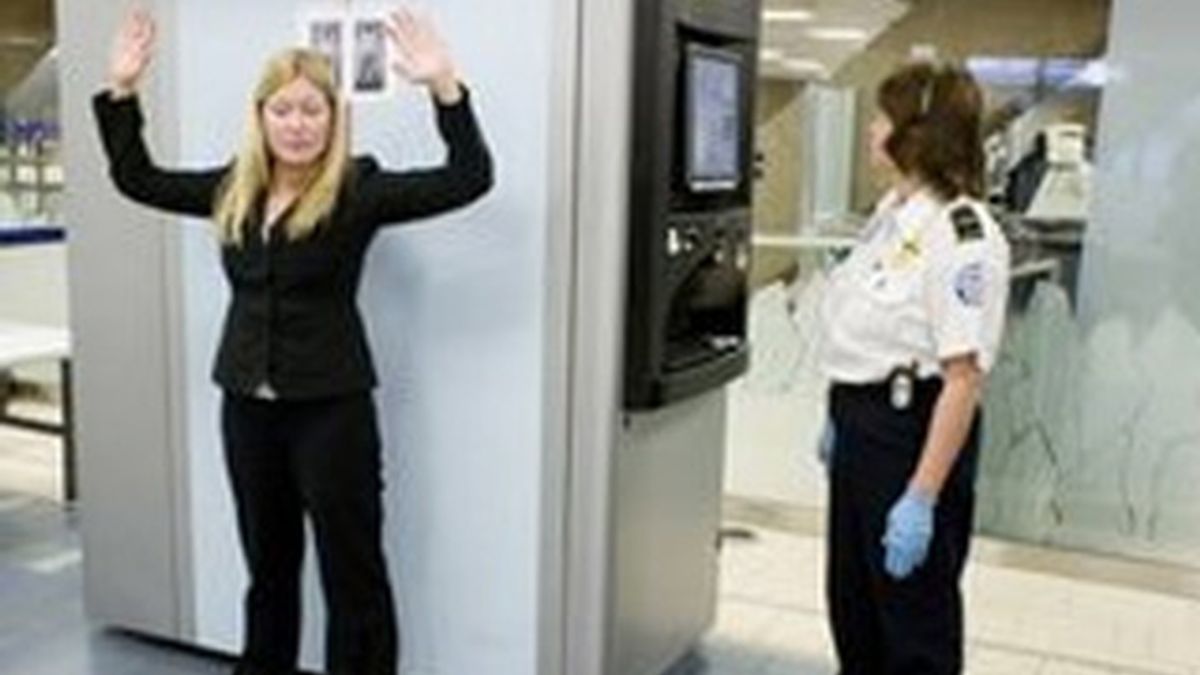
x,y
902,384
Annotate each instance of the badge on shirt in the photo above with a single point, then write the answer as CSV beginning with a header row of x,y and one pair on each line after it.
x,y
967,224
906,254
910,249
970,285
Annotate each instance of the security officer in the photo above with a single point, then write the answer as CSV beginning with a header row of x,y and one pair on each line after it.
x,y
911,323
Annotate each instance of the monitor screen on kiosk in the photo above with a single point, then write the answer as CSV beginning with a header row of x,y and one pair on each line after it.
x,y
714,120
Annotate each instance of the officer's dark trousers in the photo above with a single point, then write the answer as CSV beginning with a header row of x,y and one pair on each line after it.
x,y
288,459
882,626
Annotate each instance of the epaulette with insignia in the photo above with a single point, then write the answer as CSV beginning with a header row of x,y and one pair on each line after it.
x,y
967,224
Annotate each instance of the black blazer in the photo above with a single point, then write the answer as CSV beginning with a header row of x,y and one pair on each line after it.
x,y
293,321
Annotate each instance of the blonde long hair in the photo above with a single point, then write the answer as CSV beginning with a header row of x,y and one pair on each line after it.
x,y
250,176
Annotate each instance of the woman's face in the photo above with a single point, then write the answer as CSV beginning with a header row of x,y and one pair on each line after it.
x,y
880,131
297,120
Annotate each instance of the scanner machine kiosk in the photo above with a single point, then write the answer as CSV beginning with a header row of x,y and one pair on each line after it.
x,y
689,227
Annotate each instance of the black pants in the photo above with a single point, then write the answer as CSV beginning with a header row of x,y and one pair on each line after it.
x,y
882,626
287,459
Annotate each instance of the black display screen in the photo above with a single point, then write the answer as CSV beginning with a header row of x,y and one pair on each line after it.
x,y
714,119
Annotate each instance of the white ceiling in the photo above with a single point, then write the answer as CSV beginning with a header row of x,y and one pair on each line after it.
x,y
796,50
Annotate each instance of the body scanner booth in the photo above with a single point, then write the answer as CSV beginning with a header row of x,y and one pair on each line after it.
x,y
688,240
551,359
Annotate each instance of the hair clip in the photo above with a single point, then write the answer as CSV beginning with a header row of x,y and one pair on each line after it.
x,y
927,95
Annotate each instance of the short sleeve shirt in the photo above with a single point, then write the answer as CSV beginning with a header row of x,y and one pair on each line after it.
x,y
927,282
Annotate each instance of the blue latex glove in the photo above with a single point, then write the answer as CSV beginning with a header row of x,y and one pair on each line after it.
x,y
909,532
826,444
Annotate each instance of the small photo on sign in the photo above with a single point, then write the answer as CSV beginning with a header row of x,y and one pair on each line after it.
x,y
370,57
325,36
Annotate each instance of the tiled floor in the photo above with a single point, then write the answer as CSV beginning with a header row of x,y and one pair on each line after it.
x,y
771,619
42,626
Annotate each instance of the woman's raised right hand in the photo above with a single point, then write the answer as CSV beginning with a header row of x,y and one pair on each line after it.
x,y
131,54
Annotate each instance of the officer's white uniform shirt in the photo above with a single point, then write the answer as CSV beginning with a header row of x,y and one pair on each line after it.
x,y
927,282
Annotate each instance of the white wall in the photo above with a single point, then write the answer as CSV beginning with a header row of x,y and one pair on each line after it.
x,y
454,313
831,127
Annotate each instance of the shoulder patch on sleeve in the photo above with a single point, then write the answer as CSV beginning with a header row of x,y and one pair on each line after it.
x,y
967,225
971,285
